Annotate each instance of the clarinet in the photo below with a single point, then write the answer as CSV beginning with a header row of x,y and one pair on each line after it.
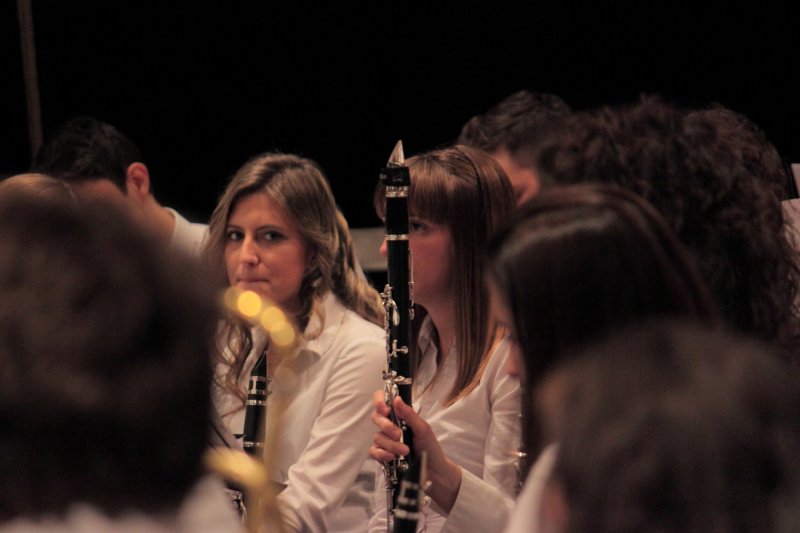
x,y
402,474
255,415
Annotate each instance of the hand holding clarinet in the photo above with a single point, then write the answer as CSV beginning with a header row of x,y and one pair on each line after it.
x,y
443,475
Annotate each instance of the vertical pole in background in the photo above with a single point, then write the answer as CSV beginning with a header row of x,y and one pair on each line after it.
x,y
25,15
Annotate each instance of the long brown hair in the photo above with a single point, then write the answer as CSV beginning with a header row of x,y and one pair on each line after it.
x,y
465,190
300,187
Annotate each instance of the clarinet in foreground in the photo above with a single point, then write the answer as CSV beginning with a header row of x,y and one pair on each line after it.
x,y
255,415
402,482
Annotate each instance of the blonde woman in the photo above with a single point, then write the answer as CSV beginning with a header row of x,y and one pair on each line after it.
x,y
276,231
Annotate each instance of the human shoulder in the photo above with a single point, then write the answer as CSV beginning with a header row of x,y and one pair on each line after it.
x,y
345,331
187,236
349,323
496,367
354,321
358,335
499,352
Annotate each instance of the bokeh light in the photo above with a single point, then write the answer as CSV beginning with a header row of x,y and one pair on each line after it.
x,y
249,304
284,336
271,316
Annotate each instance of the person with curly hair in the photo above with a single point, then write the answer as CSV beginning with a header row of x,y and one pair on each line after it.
x,y
694,170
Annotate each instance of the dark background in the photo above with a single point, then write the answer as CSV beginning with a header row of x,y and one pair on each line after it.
x,y
203,88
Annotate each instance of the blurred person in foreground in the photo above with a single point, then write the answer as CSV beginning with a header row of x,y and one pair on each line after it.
x,y
671,427
105,390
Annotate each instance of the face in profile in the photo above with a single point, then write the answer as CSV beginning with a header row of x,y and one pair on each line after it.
x,y
431,256
264,252
523,180
432,251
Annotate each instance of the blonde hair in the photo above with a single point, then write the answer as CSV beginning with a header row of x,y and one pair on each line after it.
x,y
301,188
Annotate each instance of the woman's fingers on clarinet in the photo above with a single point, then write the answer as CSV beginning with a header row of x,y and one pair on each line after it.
x,y
418,425
379,402
379,454
392,448
386,426
406,412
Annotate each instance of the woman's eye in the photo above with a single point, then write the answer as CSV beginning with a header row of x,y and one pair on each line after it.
x,y
233,235
416,226
272,236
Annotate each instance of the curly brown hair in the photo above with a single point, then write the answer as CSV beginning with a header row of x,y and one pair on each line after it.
x,y
687,165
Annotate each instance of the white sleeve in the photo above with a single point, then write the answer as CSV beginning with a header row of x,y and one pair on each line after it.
x,y
489,501
478,507
503,437
528,515
340,438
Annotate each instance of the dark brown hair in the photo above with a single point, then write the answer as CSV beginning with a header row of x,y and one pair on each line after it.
x,y
672,427
105,342
577,262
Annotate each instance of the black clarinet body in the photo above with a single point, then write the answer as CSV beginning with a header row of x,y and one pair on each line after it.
x,y
255,414
403,494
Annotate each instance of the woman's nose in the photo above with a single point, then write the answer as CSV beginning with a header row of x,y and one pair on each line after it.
x,y
249,254
382,249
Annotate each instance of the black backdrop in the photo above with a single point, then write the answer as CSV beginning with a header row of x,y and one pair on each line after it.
x,y
202,88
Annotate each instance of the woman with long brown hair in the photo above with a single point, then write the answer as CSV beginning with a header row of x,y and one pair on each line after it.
x,y
573,264
458,196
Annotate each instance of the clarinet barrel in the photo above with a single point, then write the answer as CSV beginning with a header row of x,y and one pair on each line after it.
x,y
255,417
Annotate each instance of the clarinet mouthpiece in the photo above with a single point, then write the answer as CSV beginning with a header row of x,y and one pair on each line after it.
x,y
397,158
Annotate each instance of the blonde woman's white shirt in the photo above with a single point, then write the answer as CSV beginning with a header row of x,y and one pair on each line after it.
x,y
479,432
324,431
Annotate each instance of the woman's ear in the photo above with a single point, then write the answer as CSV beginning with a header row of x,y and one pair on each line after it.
x,y
311,259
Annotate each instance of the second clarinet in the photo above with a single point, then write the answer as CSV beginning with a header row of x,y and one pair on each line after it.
x,y
255,417
402,482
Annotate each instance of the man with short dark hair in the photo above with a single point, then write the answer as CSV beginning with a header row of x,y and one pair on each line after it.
x,y
522,117
101,163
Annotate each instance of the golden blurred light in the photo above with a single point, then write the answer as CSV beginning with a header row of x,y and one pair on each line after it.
x,y
249,304
280,330
284,336
230,297
271,316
